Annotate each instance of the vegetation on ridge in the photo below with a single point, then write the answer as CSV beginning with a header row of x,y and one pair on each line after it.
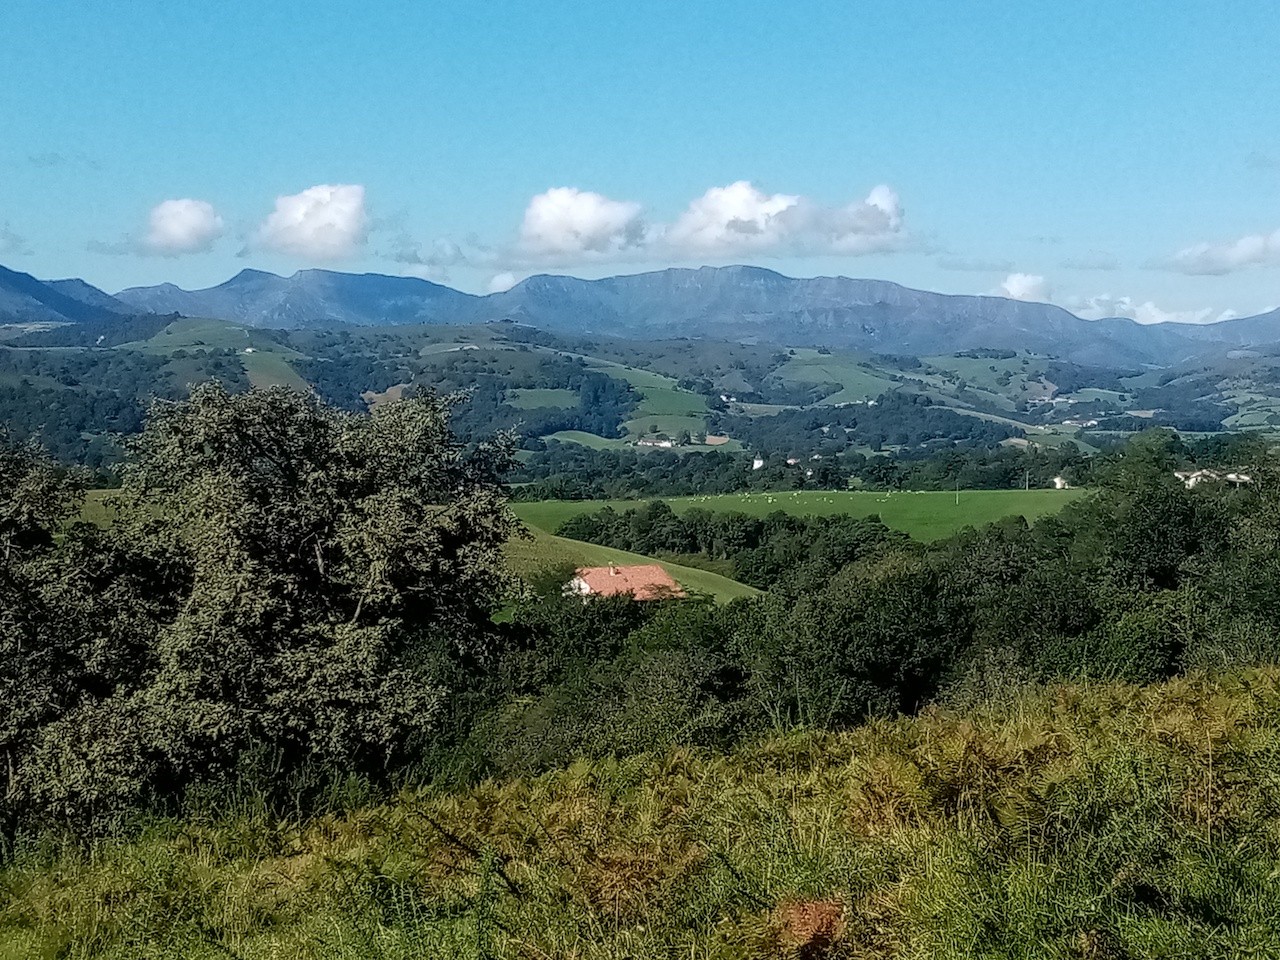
x,y
1073,822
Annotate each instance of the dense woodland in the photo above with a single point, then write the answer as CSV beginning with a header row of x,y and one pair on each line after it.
x,y
294,589
898,420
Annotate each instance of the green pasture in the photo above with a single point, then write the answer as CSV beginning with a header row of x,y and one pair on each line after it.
x,y
662,402
594,441
856,380
670,424
272,370
925,515
542,550
533,399
267,366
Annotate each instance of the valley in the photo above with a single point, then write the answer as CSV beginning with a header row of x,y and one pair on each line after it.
x,y
608,393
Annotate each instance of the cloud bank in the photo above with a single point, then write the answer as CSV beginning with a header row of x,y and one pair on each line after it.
x,y
1106,305
1210,259
176,227
324,222
565,225
568,222
1025,286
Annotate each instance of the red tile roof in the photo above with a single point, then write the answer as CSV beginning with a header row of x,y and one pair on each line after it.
x,y
646,581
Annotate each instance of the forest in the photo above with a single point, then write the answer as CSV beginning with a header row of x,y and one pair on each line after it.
x,y
286,583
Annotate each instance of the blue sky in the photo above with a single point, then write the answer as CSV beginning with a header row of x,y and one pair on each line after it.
x,y
1115,159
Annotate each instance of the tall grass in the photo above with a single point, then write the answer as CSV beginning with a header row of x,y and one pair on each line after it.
x,y
1076,822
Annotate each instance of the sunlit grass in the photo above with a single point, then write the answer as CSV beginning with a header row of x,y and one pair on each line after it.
x,y
1076,822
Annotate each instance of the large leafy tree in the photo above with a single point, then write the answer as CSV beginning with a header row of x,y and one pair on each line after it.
x,y
313,580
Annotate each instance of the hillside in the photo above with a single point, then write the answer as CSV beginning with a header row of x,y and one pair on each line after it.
x,y
1077,822
88,381
24,299
309,298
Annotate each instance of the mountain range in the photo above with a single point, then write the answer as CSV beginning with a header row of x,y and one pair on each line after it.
x,y
727,303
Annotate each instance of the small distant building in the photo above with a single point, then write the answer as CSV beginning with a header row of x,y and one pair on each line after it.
x,y
1193,478
1060,483
647,581
757,463
792,461
246,349
665,444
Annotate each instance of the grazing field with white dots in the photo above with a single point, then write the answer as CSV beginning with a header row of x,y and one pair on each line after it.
x,y
925,515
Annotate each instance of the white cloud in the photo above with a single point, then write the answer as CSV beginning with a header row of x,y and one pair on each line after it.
x,y
741,218
175,227
324,222
1106,305
1025,286
733,219
566,223
1210,259
502,282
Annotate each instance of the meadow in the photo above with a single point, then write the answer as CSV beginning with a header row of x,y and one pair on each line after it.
x,y
267,366
1085,822
925,515
542,551
857,381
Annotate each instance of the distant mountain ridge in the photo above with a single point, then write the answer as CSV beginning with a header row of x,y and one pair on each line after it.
x,y
729,303
24,299
309,298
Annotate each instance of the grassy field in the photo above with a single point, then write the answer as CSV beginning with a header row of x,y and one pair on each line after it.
x,y
267,366
662,402
594,441
272,370
1092,822
544,397
543,550
857,382
924,515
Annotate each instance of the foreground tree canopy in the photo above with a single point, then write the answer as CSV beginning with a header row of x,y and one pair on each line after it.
x,y
280,580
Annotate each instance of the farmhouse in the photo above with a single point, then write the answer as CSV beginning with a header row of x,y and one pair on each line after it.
x,y
1193,478
646,581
